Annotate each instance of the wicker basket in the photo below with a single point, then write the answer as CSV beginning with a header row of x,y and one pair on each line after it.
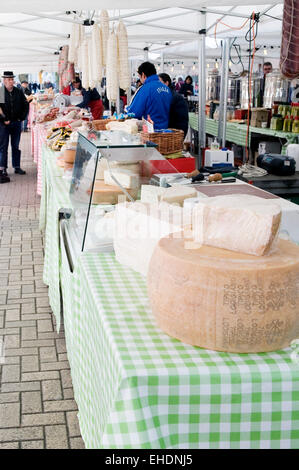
x,y
100,124
168,142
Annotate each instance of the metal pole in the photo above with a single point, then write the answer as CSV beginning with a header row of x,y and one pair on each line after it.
x,y
162,62
226,45
201,87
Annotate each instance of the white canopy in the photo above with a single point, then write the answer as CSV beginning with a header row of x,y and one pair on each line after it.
x,y
30,39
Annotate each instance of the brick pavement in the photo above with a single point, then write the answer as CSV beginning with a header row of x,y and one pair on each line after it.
x,y
37,407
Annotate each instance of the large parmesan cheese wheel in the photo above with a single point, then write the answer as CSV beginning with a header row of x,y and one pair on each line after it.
x,y
238,222
224,300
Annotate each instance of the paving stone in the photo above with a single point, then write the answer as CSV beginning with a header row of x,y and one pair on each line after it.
x,y
30,377
13,315
10,373
9,445
62,357
43,419
30,364
77,443
66,378
14,294
12,342
11,360
38,343
28,333
56,437
28,307
60,405
32,445
20,387
60,345
10,415
73,423
44,325
68,393
55,365
21,433
31,402
21,352
51,390
9,398
48,354
20,324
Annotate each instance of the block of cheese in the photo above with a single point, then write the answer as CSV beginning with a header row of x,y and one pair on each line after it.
x,y
224,300
238,222
125,177
173,195
139,226
134,167
151,193
107,194
177,194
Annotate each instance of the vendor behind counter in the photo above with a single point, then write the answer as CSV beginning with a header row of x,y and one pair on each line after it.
x,y
91,98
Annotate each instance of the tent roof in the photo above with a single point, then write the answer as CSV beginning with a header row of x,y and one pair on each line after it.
x,y
30,40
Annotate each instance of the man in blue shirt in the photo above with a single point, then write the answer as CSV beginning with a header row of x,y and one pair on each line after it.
x,y
153,98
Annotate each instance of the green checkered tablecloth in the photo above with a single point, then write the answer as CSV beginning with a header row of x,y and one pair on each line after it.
x,y
138,388
55,195
236,133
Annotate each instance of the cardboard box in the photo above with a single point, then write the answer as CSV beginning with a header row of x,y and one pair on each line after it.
x,y
259,115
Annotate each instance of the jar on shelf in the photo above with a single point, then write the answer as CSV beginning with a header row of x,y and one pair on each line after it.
x,y
276,122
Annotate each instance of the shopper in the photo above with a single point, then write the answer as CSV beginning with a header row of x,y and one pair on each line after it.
x,y
267,68
26,90
178,116
153,99
187,87
14,110
91,98
179,83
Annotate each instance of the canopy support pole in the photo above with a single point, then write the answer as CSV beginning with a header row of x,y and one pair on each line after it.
x,y
226,45
201,87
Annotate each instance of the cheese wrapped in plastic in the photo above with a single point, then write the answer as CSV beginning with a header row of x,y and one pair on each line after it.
x,y
239,222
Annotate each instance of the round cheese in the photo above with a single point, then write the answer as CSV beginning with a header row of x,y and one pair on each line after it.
x,y
224,300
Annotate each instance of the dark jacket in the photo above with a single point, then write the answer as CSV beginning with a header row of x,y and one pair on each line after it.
x,y
16,106
152,99
26,91
178,116
186,87
88,95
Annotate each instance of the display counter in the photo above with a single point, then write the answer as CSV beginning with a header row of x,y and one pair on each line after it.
x,y
136,387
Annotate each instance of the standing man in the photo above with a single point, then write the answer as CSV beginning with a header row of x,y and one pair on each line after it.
x,y
14,110
267,68
26,90
179,115
153,98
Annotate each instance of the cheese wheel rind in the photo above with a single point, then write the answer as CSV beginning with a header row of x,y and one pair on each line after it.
x,y
224,300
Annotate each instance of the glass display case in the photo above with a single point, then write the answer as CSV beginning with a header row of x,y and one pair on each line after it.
x,y
110,167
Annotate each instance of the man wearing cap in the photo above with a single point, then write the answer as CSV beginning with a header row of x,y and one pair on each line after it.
x,y
14,108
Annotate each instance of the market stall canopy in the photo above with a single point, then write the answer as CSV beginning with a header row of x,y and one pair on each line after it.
x,y
31,40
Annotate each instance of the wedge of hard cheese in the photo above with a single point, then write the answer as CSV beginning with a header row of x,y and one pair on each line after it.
x,y
239,222
139,227
107,194
126,178
224,300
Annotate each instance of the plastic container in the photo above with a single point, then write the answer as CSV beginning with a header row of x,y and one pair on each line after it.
x,y
215,144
